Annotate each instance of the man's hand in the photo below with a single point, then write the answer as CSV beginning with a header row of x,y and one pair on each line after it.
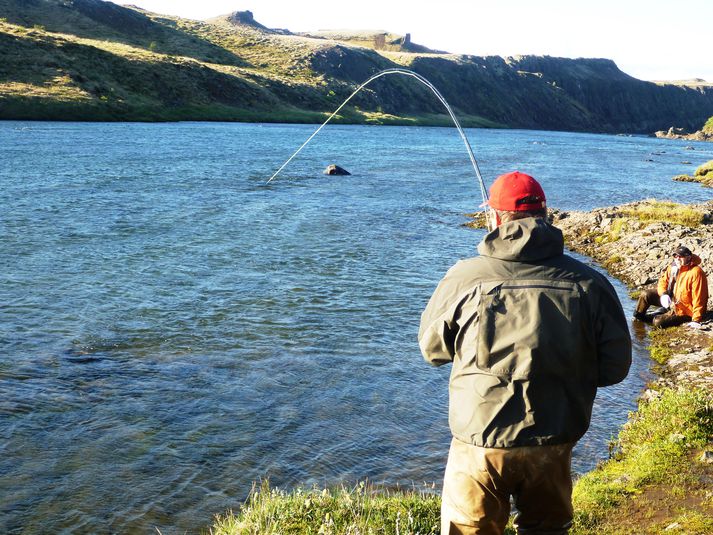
x,y
694,325
665,301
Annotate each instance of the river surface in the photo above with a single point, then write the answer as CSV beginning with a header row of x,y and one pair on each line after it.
x,y
173,329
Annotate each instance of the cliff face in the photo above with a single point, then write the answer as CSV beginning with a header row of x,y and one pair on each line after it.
x,y
90,59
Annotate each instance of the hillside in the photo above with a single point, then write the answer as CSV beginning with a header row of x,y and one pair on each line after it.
x,y
94,60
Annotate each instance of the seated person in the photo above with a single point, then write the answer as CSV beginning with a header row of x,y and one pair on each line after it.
x,y
683,289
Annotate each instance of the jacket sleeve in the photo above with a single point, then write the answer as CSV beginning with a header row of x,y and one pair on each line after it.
x,y
439,326
613,338
663,282
699,295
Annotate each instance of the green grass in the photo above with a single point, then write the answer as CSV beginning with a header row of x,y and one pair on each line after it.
x,y
610,262
708,127
653,448
703,175
705,170
363,509
660,348
613,233
666,212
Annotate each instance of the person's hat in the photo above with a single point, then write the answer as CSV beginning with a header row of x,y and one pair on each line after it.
x,y
682,251
516,192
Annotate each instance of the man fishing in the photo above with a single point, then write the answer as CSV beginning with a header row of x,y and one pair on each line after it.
x,y
531,333
682,288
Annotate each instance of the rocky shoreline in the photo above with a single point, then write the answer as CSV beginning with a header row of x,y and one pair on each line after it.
x,y
682,133
703,175
637,252
673,420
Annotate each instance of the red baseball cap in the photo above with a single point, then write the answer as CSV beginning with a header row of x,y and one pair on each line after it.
x,y
516,192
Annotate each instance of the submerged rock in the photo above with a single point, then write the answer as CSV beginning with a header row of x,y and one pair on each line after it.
x,y
335,170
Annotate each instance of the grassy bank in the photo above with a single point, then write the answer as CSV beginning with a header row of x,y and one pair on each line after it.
x,y
655,480
359,510
703,175
91,60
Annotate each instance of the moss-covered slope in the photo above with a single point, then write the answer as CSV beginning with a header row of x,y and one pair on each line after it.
x,y
95,60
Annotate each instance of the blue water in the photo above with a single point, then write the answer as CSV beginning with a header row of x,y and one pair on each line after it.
x,y
172,329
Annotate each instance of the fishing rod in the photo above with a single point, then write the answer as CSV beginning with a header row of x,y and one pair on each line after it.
x,y
405,72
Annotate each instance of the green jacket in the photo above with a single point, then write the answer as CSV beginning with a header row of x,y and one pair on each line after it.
x,y
531,333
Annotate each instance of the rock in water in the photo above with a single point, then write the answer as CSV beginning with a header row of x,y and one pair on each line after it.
x,y
335,170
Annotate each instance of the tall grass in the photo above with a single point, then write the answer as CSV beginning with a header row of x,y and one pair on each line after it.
x,y
665,211
363,509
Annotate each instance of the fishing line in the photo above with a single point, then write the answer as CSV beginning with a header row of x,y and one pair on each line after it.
x,y
405,72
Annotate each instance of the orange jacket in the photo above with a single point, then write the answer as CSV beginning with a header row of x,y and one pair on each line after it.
x,y
690,293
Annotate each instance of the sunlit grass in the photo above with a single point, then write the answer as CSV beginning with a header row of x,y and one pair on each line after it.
x,y
705,170
653,448
660,347
360,510
664,211
613,233
708,127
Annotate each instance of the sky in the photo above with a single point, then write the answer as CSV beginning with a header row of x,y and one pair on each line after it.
x,y
650,40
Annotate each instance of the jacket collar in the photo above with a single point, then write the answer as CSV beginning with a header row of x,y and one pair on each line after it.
x,y
695,261
523,240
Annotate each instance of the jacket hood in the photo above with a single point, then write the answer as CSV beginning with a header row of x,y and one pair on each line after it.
x,y
523,240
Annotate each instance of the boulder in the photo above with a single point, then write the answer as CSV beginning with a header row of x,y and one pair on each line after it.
x,y
335,170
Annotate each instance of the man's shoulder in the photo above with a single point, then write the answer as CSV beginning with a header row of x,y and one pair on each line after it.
x,y
481,268
475,266
570,268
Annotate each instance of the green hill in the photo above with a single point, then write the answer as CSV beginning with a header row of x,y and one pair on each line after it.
x,y
95,60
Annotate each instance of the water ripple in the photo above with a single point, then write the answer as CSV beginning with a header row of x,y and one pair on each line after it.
x,y
172,329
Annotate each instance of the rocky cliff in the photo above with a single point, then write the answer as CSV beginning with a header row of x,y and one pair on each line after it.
x,y
95,60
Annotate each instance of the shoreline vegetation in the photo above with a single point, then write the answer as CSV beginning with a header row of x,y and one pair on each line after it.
x,y
659,476
703,174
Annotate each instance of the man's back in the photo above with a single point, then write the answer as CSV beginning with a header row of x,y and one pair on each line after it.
x,y
531,334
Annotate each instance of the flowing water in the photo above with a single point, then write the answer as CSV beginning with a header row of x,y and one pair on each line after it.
x,y
173,329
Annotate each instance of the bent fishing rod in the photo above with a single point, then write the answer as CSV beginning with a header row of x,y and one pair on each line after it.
x,y
424,81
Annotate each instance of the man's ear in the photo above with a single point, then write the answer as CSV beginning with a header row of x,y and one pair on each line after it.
x,y
492,219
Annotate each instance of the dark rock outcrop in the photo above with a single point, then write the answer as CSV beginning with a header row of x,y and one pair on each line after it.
x,y
245,18
335,170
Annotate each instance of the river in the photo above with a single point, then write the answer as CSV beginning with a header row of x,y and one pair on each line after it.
x,y
173,329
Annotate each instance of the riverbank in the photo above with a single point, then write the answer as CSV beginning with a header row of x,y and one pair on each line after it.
x,y
704,134
659,477
703,175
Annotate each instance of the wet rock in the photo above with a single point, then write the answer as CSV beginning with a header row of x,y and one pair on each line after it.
x,y
335,170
